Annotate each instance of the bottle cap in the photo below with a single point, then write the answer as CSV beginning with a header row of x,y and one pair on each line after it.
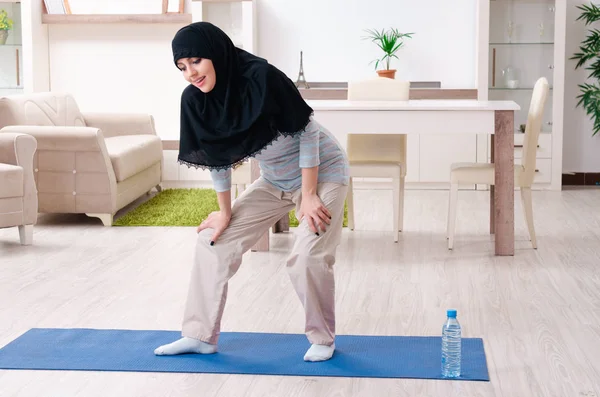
x,y
451,313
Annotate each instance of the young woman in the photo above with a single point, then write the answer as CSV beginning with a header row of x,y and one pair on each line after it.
x,y
238,106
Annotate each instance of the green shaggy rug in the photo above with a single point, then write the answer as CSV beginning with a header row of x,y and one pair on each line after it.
x,y
181,207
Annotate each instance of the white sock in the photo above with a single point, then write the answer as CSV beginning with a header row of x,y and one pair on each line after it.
x,y
185,345
319,353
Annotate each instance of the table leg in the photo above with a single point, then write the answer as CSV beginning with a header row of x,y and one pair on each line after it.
x,y
492,210
282,225
504,194
263,243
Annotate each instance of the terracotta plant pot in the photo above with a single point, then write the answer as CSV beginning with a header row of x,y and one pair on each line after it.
x,y
3,36
390,74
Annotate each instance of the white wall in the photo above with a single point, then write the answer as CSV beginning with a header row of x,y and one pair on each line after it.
x,y
119,68
581,151
36,69
330,32
129,67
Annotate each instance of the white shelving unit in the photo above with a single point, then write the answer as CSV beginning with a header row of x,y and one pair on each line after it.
x,y
237,18
520,41
11,53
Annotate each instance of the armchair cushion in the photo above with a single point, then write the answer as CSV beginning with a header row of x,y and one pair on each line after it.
x,y
130,154
11,180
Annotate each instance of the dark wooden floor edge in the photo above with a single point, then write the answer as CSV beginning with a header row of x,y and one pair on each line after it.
x,y
414,93
581,179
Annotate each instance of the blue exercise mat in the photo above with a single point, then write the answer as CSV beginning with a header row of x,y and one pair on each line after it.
x,y
239,353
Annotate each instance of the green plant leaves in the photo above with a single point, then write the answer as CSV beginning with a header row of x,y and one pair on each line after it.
x,y
589,50
389,42
5,22
590,13
590,100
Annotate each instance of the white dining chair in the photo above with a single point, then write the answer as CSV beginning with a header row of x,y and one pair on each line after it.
x,y
483,173
378,155
241,178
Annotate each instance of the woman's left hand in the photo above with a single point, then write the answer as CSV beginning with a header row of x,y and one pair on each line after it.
x,y
316,214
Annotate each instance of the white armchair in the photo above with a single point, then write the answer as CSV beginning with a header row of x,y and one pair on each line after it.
x,y
18,193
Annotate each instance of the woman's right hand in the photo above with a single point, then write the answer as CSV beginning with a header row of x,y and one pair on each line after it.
x,y
218,221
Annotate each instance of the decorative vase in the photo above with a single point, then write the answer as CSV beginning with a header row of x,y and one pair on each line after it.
x,y
389,73
511,77
3,36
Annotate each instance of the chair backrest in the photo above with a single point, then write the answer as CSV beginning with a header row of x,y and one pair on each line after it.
x,y
378,89
533,128
377,148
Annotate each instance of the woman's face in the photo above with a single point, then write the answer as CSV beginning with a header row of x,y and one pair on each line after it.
x,y
200,72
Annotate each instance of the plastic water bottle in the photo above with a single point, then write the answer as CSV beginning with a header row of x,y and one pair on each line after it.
x,y
451,346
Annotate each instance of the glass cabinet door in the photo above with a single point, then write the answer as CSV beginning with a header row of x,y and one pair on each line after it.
x,y
11,49
521,51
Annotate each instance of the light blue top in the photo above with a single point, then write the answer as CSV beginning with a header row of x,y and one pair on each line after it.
x,y
281,162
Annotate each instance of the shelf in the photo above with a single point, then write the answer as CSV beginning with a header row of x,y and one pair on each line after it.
x,y
11,88
528,43
512,89
11,45
115,18
512,3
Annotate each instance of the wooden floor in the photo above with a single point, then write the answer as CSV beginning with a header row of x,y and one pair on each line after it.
x,y
538,312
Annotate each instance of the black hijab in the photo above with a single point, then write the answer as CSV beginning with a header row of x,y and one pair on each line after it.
x,y
251,104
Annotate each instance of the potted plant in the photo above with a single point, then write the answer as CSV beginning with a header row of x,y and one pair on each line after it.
x,y
6,24
389,42
590,92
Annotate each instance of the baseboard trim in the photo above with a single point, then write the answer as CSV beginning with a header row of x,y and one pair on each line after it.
x,y
359,185
581,179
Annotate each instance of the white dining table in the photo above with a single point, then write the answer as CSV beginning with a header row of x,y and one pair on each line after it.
x,y
434,117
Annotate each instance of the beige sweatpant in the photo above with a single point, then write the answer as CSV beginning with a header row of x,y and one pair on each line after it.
x,y
310,264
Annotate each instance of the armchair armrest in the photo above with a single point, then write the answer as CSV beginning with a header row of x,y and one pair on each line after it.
x,y
117,124
19,149
61,138
70,161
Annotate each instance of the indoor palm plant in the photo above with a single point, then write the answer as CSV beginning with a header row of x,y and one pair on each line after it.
x,y
590,52
389,42
6,24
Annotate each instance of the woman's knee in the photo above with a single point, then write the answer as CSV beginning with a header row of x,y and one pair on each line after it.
x,y
205,236
312,261
224,256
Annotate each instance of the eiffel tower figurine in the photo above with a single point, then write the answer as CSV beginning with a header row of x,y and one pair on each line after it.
x,y
301,78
